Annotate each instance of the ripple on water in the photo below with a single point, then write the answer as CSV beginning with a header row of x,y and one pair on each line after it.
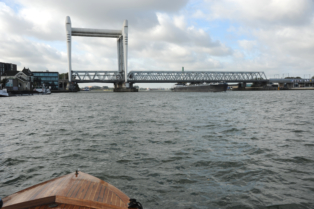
x,y
296,160
171,150
11,162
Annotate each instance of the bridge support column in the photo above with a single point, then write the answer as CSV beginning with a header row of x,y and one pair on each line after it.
x,y
124,87
120,55
70,86
122,48
68,28
125,49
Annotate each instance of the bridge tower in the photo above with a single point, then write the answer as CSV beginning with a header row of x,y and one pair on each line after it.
x,y
122,46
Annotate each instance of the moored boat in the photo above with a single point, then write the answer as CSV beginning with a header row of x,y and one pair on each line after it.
x,y
73,191
43,91
4,93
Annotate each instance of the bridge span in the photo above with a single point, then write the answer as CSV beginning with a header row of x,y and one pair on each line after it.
x,y
167,77
123,80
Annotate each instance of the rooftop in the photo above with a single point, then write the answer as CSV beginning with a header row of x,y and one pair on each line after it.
x,y
10,73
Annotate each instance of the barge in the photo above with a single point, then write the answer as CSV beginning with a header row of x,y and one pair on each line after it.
x,y
212,87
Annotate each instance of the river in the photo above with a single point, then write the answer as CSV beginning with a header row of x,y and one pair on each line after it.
x,y
166,149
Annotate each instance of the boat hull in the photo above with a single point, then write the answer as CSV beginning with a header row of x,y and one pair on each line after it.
x,y
69,192
4,93
201,88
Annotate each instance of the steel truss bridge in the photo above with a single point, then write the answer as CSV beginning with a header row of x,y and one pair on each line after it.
x,y
167,76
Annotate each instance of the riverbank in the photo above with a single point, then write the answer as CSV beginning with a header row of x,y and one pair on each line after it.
x,y
62,91
270,88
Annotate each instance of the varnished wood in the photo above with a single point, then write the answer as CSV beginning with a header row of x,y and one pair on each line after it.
x,y
64,206
85,203
32,203
72,191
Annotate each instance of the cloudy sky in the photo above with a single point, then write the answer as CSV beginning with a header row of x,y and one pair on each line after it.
x,y
274,36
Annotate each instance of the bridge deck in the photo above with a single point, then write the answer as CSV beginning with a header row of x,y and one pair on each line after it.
x,y
167,76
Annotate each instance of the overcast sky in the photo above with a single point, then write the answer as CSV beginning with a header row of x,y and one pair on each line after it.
x,y
274,36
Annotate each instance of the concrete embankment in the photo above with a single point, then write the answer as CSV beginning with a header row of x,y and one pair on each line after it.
x,y
62,91
23,92
303,88
270,88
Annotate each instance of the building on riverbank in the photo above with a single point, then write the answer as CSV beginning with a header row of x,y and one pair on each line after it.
x,y
49,79
17,81
7,67
26,80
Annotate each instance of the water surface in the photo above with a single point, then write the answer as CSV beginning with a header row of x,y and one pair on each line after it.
x,y
166,149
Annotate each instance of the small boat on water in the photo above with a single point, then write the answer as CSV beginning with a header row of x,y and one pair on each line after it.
x,y
43,91
76,190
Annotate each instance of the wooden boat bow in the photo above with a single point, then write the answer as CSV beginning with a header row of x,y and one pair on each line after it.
x,y
72,191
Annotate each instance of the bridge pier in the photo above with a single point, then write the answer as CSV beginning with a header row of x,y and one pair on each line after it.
x,y
124,87
70,86
241,85
290,85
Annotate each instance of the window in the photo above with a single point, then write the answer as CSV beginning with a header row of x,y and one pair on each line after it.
x,y
9,83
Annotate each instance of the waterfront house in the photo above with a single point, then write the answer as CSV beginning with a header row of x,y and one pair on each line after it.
x,y
17,81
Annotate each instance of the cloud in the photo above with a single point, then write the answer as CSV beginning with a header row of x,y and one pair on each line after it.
x,y
172,44
247,44
167,43
103,14
262,13
25,53
234,35
274,35
45,19
170,31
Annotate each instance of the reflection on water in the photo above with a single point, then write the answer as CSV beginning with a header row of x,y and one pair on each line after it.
x,y
166,149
